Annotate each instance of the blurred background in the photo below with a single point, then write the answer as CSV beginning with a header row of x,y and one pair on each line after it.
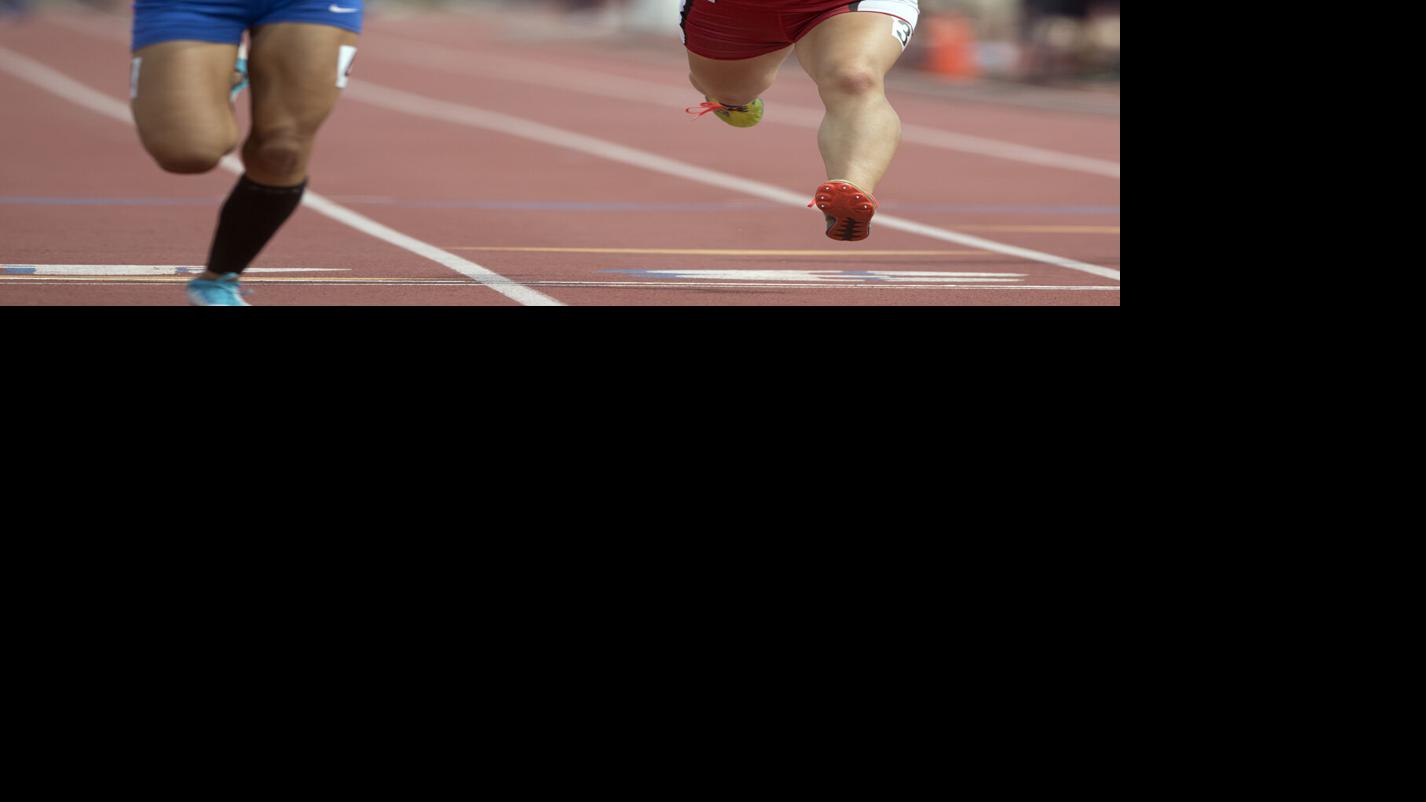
x,y
1055,43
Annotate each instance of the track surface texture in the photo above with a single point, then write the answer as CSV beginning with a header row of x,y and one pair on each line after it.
x,y
497,159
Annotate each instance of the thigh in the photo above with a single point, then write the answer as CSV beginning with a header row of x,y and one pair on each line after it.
x,y
180,93
298,71
721,74
864,40
734,48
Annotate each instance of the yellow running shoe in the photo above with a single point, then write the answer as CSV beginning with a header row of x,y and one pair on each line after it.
x,y
736,116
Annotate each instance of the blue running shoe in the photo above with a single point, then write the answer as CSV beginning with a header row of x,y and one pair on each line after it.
x,y
222,292
240,71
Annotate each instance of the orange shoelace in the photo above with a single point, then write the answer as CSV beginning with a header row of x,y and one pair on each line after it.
x,y
710,107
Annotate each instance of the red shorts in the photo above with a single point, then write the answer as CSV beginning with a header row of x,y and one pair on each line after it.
x,y
741,29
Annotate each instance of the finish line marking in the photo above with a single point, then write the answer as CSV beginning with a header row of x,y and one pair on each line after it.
x,y
159,275
718,252
88,271
830,276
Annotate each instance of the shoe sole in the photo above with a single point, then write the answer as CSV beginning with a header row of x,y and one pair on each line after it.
x,y
849,211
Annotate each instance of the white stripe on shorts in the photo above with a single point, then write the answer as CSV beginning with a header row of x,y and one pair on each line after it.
x,y
909,10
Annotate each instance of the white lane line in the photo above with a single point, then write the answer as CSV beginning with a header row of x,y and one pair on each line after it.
x,y
832,276
643,91
615,87
433,109
69,89
479,118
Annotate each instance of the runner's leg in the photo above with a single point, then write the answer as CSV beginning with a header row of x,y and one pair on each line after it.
x,y
735,83
181,104
296,71
848,56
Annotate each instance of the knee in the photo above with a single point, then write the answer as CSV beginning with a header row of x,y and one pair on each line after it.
x,y
854,80
188,158
277,153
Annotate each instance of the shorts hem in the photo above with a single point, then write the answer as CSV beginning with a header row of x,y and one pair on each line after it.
x,y
186,36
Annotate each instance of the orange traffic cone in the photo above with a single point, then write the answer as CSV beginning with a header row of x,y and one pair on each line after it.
x,y
951,44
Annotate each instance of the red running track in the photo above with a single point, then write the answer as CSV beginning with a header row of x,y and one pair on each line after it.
x,y
566,166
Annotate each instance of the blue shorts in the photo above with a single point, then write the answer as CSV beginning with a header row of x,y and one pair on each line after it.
x,y
223,21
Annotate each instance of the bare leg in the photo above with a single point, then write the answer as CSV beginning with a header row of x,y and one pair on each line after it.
x,y
294,70
184,118
849,56
735,83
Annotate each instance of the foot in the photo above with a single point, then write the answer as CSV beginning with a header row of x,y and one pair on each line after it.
x,y
848,208
736,116
222,291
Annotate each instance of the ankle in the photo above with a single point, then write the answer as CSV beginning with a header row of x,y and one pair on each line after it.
x,y
864,186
